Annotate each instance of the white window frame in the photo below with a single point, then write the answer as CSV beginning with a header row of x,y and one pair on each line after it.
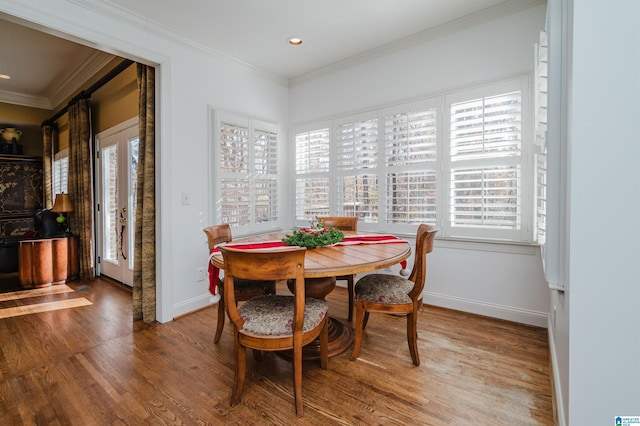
x,y
429,166
359,167
310,174
442,165
524,161
254,126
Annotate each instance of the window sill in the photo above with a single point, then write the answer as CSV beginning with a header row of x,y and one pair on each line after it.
x,y
476,244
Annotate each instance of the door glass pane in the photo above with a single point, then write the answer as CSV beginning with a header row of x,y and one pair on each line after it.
x,y
110,203
133,191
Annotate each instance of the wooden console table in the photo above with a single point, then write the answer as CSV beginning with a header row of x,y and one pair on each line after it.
x,y
48,261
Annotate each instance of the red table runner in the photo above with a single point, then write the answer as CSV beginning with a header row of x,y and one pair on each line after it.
x,y
349,240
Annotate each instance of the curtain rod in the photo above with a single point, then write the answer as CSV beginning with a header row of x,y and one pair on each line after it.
x,y
86,94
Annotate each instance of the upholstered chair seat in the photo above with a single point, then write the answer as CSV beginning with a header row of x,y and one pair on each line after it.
x,y
271,315
383,288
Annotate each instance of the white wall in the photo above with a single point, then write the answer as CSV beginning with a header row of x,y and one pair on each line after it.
x,y
603,249
493,50
190,81
504,281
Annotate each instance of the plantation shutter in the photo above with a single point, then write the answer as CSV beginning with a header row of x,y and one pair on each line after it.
x,y
61,172
541,197
410,139
266,175
312,174
247,173
234,173
485,152
541,83
356,165
462,160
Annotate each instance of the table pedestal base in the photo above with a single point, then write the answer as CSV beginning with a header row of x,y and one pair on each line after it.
x,y
340,339
340,335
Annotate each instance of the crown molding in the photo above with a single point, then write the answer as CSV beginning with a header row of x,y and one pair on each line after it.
x,y
63,90
483,16
128,18
125,17
25,100
72,83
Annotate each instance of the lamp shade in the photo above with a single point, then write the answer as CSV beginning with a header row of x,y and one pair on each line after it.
x,y
62,204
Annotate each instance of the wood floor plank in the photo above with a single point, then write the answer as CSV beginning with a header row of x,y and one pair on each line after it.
x,y
95,366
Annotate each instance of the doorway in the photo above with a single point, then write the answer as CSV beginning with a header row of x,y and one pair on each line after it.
x,y
117,164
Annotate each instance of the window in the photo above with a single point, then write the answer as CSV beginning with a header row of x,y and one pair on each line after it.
x,y
459,160
540,145
410,149
247,178
60,172
485,162
541,197
356,168
312,173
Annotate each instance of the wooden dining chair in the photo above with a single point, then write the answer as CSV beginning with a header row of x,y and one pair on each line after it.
x,y
393,294
343,223
245,289
273,322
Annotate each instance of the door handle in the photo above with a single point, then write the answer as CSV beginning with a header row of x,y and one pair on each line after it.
x,y
123,226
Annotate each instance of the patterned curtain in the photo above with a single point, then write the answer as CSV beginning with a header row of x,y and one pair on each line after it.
x,y
144,271
48,134
81,184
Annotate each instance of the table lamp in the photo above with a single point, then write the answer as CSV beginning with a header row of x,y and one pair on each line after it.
x,y
62,205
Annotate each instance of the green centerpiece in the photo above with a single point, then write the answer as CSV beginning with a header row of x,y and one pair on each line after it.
x,y
315,236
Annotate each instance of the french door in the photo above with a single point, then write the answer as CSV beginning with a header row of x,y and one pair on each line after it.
x,y
117,150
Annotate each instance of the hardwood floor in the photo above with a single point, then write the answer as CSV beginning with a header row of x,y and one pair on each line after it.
x,y
90,365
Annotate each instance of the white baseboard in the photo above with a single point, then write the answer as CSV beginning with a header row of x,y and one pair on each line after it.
x,y
509,313
555,376
194,304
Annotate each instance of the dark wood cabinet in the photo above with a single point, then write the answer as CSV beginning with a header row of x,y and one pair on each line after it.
x,y
21,193
48,261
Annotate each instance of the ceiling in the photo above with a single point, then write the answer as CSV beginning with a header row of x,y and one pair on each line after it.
x,y
45,68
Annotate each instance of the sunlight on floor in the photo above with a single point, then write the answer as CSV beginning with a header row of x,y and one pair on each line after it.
x,y
40,307
25,294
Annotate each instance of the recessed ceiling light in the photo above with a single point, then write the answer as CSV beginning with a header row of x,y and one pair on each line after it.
x,y
295,41
4,76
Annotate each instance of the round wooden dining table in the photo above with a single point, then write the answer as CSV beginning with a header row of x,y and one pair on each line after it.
x,y
332,261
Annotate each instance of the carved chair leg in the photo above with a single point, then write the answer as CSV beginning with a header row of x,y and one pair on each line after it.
x,y
412,336
365,320
241,369
220,325
297,378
